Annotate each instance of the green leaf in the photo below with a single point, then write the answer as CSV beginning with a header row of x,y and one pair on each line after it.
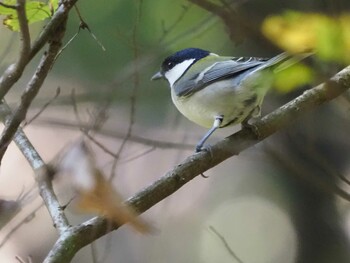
x,y
35,10
8,11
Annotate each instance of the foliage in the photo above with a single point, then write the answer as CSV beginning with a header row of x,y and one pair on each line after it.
x,y
35,10
297,32
293,77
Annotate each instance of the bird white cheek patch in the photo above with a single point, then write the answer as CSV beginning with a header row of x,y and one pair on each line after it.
x,y
176,72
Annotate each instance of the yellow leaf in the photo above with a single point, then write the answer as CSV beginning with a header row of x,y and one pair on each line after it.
x,y
328,37
293,77
104,200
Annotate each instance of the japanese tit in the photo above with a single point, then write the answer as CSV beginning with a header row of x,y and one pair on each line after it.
x,y
215,91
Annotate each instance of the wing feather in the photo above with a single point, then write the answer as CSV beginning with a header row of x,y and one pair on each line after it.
x,y
219,70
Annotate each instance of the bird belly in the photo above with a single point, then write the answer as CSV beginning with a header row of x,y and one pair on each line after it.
x,y
234,103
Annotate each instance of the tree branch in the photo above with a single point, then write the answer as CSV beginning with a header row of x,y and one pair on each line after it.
x,y
8,6
196,164
14,71
24,31
42,174
32,89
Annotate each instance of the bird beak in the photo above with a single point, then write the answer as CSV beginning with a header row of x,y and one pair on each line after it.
x,y
158,75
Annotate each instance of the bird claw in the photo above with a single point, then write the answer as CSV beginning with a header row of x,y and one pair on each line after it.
x,y
199,148
206,148
252,128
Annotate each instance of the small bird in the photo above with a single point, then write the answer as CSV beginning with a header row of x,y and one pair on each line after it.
x,y
216,91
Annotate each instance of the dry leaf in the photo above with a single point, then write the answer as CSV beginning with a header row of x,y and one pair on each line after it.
x,y
104,200
94,193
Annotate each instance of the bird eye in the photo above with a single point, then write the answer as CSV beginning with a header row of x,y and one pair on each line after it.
x,y
170,64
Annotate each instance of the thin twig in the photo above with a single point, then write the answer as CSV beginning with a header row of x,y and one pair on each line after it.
x,y
47,104
167,31
137,156
84,25
100,145
86,130
118,135
8,6
305,174
227,246
133,96
21,260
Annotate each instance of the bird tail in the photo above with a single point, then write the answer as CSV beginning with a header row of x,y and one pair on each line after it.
x,y
285,60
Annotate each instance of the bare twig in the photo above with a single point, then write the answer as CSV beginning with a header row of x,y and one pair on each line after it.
x,y
8,6
134,91
83,25
21,260
227,246
100,145
32,89
196,164
137,156
47,104
119,135
86,129
167,31
305,174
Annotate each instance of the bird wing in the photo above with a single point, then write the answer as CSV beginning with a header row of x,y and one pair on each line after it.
x,y
219,70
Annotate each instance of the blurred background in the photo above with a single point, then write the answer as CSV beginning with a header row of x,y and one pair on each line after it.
x,y
283,200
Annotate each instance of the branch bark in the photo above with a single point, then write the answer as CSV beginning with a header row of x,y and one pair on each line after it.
x,y
89,231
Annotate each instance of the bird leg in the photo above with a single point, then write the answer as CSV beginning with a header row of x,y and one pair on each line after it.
x,y
217,122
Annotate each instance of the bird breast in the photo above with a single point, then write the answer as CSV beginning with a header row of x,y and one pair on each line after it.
x,y
235,103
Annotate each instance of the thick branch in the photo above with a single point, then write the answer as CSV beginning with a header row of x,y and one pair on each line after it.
x,y
42,175
196,164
